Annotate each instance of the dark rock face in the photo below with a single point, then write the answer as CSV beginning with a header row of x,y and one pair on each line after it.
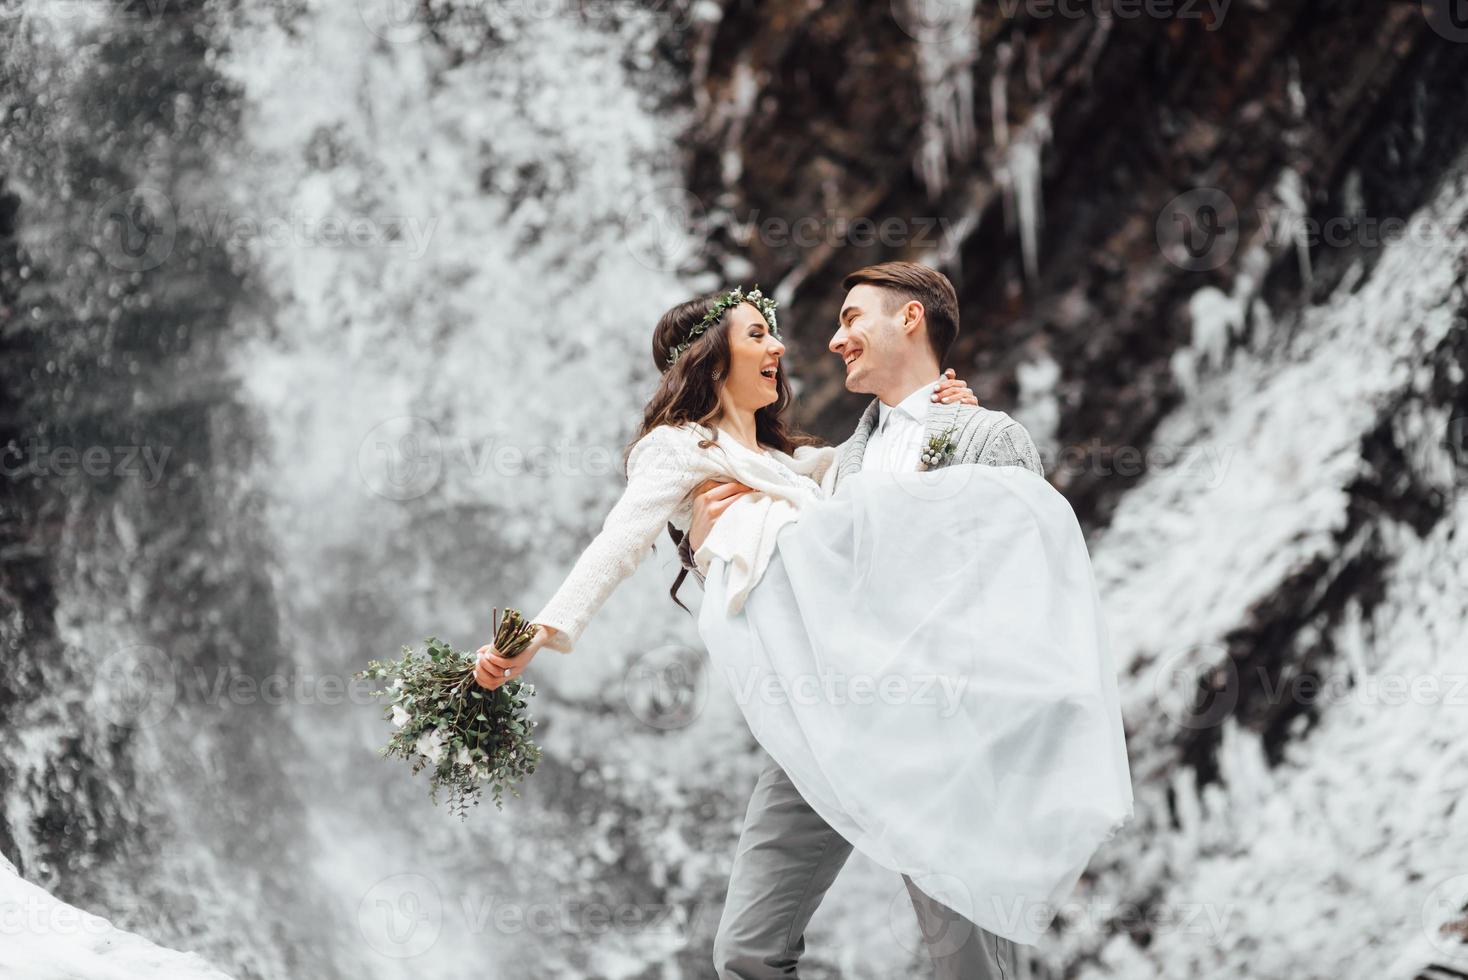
x,y
1345,119
824,109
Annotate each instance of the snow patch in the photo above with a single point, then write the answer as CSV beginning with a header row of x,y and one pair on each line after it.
x,y
57,941
1345,858
1039,405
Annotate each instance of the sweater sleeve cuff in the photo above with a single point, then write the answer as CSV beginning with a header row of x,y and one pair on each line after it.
x,y
563,639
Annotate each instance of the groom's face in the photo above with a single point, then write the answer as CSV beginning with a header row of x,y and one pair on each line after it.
x,y
870,337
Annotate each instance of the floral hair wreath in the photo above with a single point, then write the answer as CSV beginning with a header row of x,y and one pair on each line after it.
x,y
722,305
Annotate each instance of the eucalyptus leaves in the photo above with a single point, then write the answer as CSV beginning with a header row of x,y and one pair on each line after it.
x,y
443,719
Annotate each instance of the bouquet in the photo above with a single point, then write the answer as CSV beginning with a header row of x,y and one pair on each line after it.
x,y
443,718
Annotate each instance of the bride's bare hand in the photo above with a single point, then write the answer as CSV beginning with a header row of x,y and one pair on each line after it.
x,y
953,389
492,670
710,499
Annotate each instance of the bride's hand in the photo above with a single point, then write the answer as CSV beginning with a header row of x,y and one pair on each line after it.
x,y
710,499
492,670
952,389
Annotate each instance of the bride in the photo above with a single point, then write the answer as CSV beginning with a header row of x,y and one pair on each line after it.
x,y
922,653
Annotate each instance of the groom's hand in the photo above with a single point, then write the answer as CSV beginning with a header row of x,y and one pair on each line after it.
x,y
710,499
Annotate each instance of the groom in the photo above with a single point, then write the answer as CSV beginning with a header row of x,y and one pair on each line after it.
x,y
896,326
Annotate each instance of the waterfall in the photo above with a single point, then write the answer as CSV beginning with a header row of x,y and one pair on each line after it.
x,y
441,250
471,376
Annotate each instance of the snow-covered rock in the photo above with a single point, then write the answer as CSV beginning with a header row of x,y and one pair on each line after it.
x,y
46,939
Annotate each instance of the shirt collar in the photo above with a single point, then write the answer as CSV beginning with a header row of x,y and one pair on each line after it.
x,y
915,405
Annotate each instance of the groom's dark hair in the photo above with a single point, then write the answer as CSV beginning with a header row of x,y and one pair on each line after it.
x,y
906,281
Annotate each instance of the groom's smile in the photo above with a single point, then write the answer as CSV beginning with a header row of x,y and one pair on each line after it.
x,y
852,353
850,340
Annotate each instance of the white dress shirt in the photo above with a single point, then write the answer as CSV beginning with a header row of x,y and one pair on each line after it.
x,y
896,443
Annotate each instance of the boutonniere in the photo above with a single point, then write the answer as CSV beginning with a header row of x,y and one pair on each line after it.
x,y
939,448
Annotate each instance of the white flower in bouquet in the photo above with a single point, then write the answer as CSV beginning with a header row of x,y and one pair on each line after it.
x,y
442,719
430,746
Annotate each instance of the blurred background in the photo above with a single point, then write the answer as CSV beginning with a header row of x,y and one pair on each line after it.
x,y
325,324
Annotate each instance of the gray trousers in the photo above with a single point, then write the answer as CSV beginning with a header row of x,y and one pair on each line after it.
x,y
786,860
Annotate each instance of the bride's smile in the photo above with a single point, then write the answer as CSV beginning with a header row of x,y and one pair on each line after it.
x,y
754,360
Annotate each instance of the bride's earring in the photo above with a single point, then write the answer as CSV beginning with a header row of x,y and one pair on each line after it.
x,y
719,375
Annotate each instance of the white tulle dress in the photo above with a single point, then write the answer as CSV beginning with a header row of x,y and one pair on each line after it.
x,y
925,657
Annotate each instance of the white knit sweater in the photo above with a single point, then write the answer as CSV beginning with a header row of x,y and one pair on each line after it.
x,y
662,470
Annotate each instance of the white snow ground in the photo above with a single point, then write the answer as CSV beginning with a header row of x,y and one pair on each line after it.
x,y
42,938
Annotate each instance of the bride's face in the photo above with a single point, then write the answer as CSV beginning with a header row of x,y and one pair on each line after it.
x,y
751,382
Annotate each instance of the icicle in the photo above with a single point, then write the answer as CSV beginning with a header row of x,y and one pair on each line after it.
x,y
1291,191
1023,165
962,134
1219,319
704,16
744,90
1095,46
1216,317
1187,804
945,68
999,96
1018,171
932,163
1353,203
1244,771
1184,367
1298,104
1262,317
999,117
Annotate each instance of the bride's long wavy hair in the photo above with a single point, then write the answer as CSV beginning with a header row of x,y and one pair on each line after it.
x,y
688,392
